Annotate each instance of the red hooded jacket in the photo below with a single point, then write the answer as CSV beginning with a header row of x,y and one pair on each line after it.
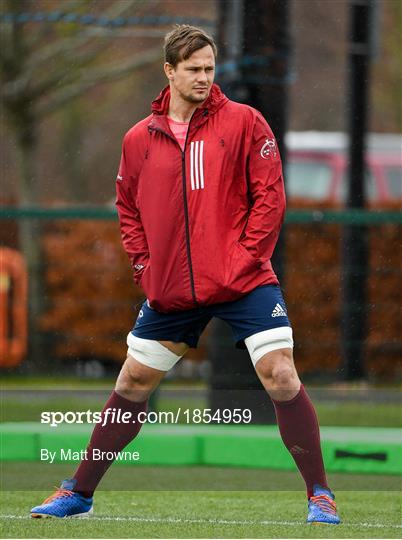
x,y
200,225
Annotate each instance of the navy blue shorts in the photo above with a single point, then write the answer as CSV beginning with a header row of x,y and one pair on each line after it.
x,y
261,309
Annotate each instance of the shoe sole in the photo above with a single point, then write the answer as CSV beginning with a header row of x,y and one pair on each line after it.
x,y
321,523
45,516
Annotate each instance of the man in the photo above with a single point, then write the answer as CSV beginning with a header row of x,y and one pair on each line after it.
x,y
201,201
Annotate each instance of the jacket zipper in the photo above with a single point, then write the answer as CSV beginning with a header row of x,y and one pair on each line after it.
x,y
186,217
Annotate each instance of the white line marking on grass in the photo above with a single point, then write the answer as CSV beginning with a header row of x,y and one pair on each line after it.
x,y
212,521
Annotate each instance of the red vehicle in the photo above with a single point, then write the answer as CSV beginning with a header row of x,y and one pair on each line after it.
x,y
317,167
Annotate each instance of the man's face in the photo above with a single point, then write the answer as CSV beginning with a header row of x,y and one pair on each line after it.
x,y
192,78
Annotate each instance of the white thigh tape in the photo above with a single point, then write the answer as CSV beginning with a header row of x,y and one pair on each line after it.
x,y
269,340
151,353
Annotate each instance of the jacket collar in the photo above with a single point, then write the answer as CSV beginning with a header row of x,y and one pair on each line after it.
x,y
160,105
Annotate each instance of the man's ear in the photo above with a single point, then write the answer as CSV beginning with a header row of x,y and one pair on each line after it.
x,y
169,70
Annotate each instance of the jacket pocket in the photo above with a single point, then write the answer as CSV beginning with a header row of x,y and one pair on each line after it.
x,y
242,269
248,255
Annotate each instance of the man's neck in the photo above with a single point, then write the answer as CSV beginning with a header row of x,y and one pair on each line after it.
x,y
181,110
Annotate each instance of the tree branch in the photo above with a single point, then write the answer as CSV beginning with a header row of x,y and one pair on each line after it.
x,y
99,75
70,47
42,30
72,44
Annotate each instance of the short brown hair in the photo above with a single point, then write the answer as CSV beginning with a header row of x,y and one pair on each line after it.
x,y
183,41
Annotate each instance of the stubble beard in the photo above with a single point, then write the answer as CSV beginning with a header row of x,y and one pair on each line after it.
x,y
195,99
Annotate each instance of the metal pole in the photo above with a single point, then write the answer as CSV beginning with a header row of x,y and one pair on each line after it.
x,y
266,75
230,41
355,239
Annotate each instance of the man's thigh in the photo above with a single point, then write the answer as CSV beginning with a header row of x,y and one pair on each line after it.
x,y
175,327
178,348
159,340
261,313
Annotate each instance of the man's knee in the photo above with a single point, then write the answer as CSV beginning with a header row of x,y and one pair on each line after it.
x,y
277,365
278,374
283,375
271,352
147,362
136,381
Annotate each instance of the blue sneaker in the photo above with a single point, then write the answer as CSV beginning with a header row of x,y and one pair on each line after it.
x,y
322,507
64,503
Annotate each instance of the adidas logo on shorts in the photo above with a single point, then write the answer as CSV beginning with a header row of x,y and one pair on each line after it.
x,y
278,311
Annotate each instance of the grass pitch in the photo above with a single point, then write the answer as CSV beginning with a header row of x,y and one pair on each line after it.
x,y
208,502
212,514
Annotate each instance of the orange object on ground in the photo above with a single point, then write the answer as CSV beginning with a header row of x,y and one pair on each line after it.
x,y
13,307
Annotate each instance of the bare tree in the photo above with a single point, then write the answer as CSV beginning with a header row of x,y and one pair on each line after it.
x,y
41,72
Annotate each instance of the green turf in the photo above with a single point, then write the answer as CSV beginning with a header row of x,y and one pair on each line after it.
x,y
359,414
11,381
23,476
240,504
224,514
14,409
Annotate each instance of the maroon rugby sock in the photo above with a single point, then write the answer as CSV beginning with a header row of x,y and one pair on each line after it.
x,y
300,432
111,437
